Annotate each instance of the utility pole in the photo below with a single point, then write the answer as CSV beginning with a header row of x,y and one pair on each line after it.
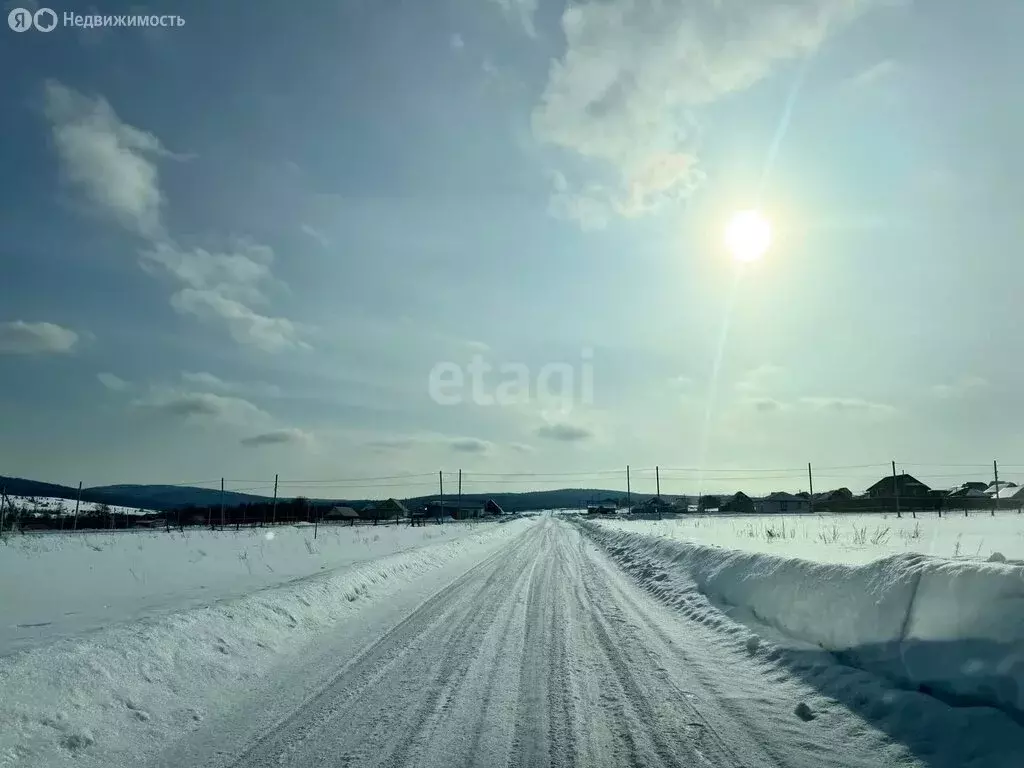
x,y
629,498
810,485
459,505
222,503
440,483
657,481
995,498
896,490
78,501
3,510
273,518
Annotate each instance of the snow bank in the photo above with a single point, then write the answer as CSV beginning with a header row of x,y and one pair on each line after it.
x,y
953,629
57,585
112,696
846,538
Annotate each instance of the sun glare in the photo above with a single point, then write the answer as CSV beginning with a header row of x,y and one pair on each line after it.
x,y
748,235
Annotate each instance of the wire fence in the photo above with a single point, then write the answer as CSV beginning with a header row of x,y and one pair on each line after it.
x,y
897,487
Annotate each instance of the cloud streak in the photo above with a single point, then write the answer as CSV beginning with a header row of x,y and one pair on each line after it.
x,y
113,165
277,437
21,338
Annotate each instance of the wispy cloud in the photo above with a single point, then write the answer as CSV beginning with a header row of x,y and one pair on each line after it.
x,y
521,11
961,388
565,433
470,445
847,405
22,338
113,383
623,95
874,74
316,235
207,381
113,165
277,437
204,408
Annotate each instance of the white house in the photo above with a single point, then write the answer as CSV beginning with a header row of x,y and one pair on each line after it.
x,y
779,502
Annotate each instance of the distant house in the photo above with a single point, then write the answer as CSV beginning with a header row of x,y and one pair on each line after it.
x,y
707,503
967,493
341,514
459,510
389,509
781,502
656,506
493,508
903,486
834,499
737,504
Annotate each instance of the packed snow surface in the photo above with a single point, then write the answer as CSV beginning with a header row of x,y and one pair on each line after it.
x,y
951,628
108,696
530,643
846,538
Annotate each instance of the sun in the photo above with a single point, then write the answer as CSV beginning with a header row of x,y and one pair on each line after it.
x,y
748,235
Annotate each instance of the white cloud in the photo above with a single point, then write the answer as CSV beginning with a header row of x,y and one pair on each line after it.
x,y
962,387
521,11
109,161
21,338
623,95
220,286
204,407
203,379
456,42
271,334
112,164
290,436
113,383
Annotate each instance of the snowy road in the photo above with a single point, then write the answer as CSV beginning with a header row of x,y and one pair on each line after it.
x,y
546,654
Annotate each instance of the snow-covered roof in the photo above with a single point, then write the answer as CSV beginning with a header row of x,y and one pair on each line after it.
x,y
1004,492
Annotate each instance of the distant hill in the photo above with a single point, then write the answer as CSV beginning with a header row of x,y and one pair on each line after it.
x,y
167,497
170,496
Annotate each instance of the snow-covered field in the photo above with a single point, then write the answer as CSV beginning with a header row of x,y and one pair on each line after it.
x,y
145,681
54,585
54,506
846,538
953,628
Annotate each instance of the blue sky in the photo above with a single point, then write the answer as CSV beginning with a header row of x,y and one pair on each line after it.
x,y
240,247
